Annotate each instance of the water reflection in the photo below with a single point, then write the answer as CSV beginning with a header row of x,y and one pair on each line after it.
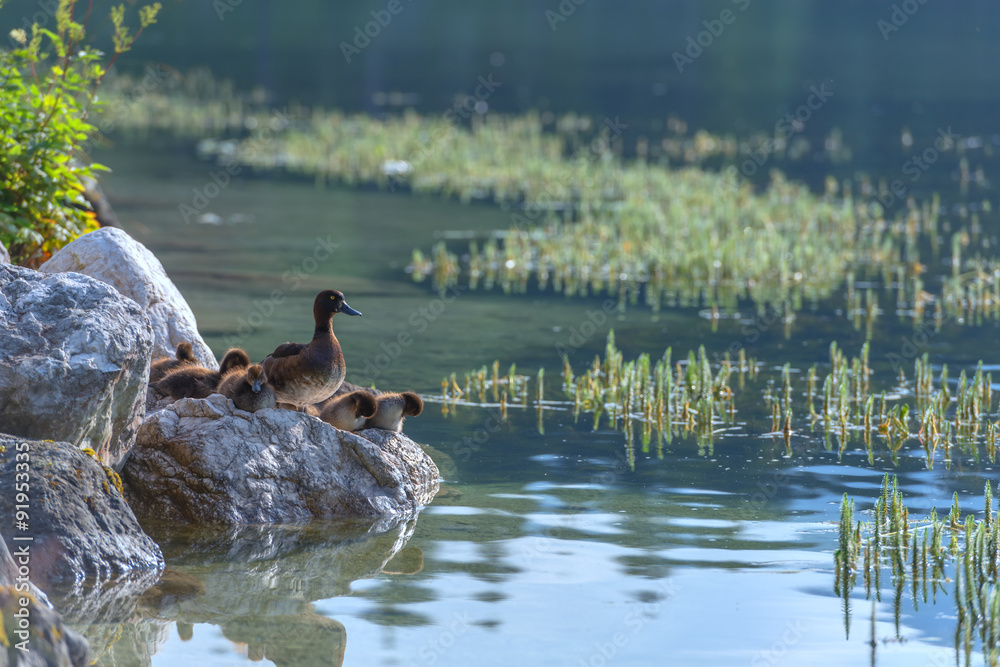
x,y
256,583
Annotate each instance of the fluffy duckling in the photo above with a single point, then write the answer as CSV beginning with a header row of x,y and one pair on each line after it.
x,y
348,412
248,388
393,409
303,374
183,357
197,381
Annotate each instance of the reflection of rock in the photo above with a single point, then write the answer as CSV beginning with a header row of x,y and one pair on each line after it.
x,y
409,560
74,359
302,640
257,584
275,569
203,461
112,256
81,526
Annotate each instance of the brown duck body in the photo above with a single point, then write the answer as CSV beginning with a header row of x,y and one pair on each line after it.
x,y
190,381
393,409
183,357
248,388
303,374
348,412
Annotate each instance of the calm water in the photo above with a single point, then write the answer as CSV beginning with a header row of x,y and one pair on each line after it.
x,y
546,549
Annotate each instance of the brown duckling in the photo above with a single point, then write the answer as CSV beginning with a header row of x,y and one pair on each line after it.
x,y
183,357
248,388
197,381
348,412
393,409
303,374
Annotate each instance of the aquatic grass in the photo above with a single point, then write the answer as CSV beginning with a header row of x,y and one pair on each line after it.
x,y
660,229
657,400
957,555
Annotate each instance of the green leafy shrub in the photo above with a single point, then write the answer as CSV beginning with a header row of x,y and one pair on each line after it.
x,y
48,86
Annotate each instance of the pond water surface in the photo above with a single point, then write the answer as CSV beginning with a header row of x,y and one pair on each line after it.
x,y
544,549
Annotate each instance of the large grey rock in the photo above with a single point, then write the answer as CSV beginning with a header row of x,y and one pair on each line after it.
x,y
74,361
204,461
80,524
111,255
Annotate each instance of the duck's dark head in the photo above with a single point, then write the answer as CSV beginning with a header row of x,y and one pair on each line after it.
x,y
330,302
256,378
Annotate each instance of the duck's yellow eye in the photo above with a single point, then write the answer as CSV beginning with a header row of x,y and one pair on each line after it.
x,y
332,298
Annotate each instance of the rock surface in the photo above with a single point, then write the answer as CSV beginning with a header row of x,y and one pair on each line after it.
x,y
204,461
114,257
48,642
74,361
81,526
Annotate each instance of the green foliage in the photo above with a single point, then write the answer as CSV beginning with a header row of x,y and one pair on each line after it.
x,y
45,98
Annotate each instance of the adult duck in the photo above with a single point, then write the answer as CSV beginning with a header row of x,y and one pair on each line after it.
x,y
303,374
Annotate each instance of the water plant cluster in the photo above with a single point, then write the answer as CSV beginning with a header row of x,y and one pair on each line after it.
x,y
956,555
665,397
670,397
585,220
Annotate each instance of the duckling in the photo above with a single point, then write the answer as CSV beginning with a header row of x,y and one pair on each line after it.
x,y
348,412
183,357
192,381
303,374
248,388
393,409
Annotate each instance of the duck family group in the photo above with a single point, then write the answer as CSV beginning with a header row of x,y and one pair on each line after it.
x,y
308,377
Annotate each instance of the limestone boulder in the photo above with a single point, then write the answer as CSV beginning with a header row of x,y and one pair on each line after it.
x,y
72,509
74,361
205,461
111,255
